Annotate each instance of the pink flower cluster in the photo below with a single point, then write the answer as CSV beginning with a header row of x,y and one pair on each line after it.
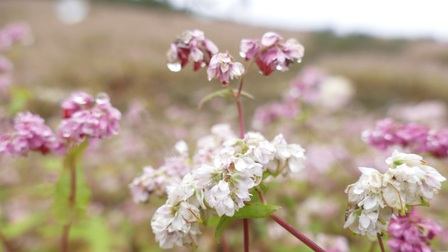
x,y
303,89
84,117
418,138
190,45
30,134
412,233
12,33
88,117
272,52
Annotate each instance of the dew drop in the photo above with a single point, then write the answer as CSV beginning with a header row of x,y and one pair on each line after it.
x,y
243,55
102,98
299,60
174,67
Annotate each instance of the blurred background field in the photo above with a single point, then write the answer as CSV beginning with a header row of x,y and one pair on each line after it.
x,y
120,48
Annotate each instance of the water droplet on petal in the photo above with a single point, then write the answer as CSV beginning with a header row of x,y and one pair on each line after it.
x,y
299,60
102,98
243,55
174,67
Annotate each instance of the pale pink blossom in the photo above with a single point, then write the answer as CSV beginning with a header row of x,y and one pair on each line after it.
x,y
272,52
85,117
224,68
190,46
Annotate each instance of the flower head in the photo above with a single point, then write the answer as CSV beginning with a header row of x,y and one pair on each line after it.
x,y
190,45
30,134
224,68
272,52
88,117
411,233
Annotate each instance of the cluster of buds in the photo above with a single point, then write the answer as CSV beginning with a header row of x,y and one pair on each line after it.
x,y
272,52
417,138
30,134
411,233
223,171
190,46
83,117
375,197
311,87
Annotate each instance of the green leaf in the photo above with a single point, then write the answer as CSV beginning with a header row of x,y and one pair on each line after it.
x,y
247,212
222,93
256,211
223,223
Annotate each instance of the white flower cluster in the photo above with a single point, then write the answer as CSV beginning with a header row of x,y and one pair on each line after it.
x,y
225,169
155,181
375,197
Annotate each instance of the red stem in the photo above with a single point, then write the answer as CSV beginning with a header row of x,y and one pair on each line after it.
x,y
246,234
296,233
6,244
380,241
290,228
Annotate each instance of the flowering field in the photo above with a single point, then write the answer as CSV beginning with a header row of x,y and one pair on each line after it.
x,y
215,136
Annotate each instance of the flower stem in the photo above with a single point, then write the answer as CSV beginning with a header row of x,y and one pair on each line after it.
x,y
6,244
312,245
297,234
70,163
380,242
246,234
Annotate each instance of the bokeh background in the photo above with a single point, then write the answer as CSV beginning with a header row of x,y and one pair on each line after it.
x,y
119,47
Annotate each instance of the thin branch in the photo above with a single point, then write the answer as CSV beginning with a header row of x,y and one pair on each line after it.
x,y
380,242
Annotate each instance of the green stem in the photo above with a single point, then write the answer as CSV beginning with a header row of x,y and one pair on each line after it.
x,y
70,163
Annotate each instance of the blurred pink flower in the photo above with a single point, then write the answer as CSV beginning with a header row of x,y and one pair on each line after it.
x,y
190,45
85,117
223,67
30,134
272,52
418,138
12,33
411,233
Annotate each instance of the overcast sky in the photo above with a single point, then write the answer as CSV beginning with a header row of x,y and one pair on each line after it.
x,y
385,18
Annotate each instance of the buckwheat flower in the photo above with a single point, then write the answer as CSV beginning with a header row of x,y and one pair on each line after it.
x,y
287,158
151,182
249,48
176,224
209,146
224,68
368,214
76,102
30,134
86,118
411,233
190,45
272,52
12,33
